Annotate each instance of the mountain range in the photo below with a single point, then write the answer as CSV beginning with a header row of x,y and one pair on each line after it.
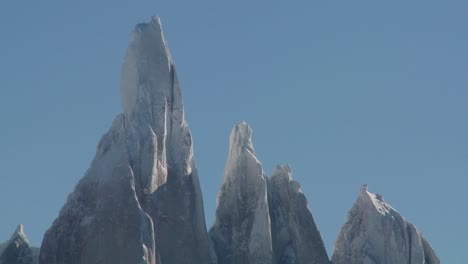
x,y
140,201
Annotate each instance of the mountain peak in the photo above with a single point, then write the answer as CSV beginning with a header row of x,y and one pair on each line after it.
x,y
17,249
19,234
377,201
282,171
282,176
148,71
142,188
374,232
241,138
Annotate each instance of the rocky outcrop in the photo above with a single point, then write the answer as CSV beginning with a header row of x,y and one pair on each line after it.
x,y
140,200
296,238
375,233
261,220
17,250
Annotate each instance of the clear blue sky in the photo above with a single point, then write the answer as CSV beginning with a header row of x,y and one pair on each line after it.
x,y
347,92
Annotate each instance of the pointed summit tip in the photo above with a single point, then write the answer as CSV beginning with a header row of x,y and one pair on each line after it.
x,y
19,229
154,23
19,233
364,188
148,72
241,137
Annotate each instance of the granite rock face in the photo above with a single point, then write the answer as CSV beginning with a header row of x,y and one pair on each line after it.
x,y
262,220
375,233
140,200
296,238
17,250
241,232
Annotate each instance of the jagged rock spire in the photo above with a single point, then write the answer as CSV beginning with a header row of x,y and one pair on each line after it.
x,y
259,220
140,200
17,250
296,238
241,232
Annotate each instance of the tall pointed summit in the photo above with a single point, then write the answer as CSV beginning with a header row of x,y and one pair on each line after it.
x,y
140,200
261,220
296,238
241,232
17,249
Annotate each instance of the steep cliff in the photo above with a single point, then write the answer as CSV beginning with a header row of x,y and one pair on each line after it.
x,y
262,220
140,200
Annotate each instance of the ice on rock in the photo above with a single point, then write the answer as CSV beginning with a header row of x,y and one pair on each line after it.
x,y
375,233
17,249
261,220
241,232
153,109
140,200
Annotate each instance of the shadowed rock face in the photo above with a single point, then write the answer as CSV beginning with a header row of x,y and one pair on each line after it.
x,y
259,220
296,238
375,233
102,220
17,249
140,200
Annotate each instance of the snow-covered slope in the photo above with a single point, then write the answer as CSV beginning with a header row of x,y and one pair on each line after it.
x,y
259,220
375,233
140,200
17,249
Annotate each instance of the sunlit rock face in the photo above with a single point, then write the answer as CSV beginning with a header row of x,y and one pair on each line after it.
x,y
140,200
262,220
17,249
375,233
241,232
